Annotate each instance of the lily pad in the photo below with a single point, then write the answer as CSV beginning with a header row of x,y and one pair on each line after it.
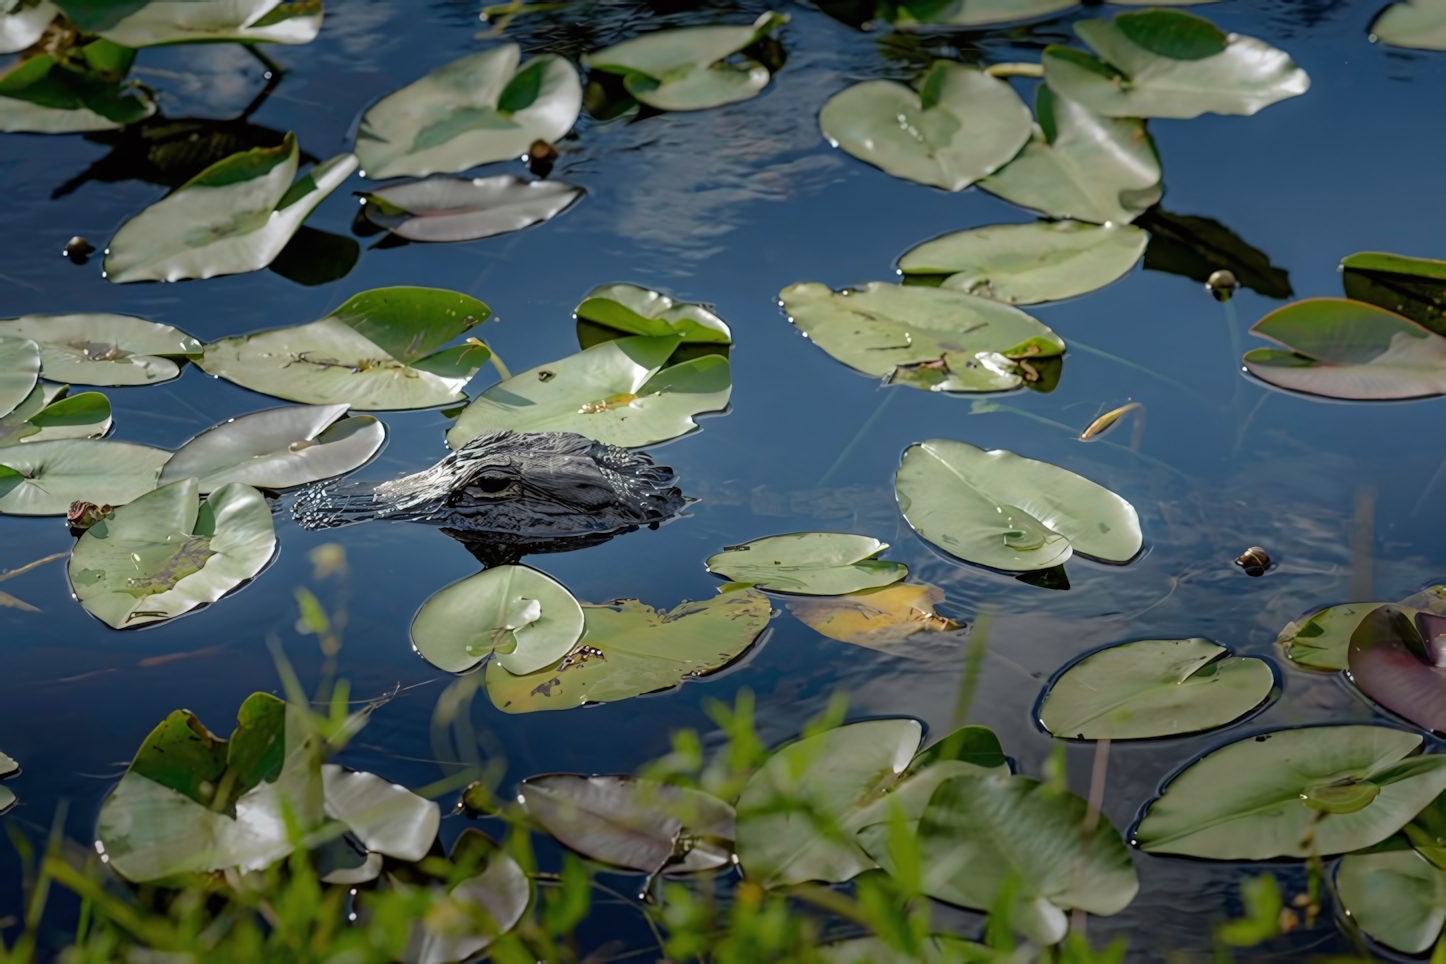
x,y
1419,24
1024,264
877,618
380,350
387,818
1153,688
973,13
690,68
49,413
1168,63
1321,639
798,814
472,111
960,126
478,908
235,216
44,94
1008,512
167,553
523,618
1081,165
445,208
21,26
8,766
1413,287
102,349
631,822
933,338
809,563
44,478
210,21
982,833
19,370
1347,349
617,310
1294,793
1397,896
1395,657
278,448
616,392
936,949
167,817
629,649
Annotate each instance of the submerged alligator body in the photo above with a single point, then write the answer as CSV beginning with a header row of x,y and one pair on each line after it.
x,y
505,494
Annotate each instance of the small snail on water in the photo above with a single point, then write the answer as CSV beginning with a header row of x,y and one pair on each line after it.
x,y
78,250
1254,561
1222,284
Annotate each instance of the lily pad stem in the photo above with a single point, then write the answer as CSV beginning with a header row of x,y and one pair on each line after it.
x,y
848,449
502,371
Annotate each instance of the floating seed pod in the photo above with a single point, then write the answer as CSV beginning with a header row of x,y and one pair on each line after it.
x,y
1255,561
540,157
1222,284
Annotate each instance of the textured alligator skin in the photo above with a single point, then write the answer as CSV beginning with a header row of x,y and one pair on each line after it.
x,y
505,494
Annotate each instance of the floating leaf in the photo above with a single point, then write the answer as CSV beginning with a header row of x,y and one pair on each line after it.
x,y
876,618
1396,896
1008,512
278,448
101,349
1420,24
1153,688
21,26
1348,349
8,766
48,414
1080,165
617,310
387,818
445,208
933,338
960,126
1394,658
472,111
1024,264
630,649
690,68
45,94
1290,793
630,822
1168,63
616,392
380,350
235,216
209,21
167,553
524,618
810,563
478,908
973,13
1413,287
1197,247
44,478
1321,639
19,370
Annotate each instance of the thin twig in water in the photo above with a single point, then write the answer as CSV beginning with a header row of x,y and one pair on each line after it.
x,y
12,573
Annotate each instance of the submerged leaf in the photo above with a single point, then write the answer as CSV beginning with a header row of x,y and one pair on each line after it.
x,y
102,349
445,208
876,618
526,620
809,563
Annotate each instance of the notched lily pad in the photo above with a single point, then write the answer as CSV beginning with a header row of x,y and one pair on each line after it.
x,y
618,310
1320,639
445,208
44,478
102,349
809,563
49,412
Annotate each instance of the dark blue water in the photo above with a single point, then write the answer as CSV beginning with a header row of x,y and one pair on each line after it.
x,y
728,206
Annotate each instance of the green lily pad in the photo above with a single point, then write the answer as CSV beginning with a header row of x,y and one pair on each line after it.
x,y
8,766
44,478
960,126
475,110
809,563
1024,264
973,13
102,349
167,816
1321,639
167,553
211,21
1008,512
799,813
445,208
19,370
48,414
278,448
1396,896
22,26
1153,688
1293,793
983,832
1347,349
629,649
233,217
1419,24
618,310
689,68
1412,287
1168,63
380,350
1080,165
630,822
932,338
47,95
616,392
523,618
387,818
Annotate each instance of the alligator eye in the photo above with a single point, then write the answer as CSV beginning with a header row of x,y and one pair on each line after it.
x,y
492,484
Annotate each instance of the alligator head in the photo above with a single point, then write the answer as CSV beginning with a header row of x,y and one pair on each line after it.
x,y
508,493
